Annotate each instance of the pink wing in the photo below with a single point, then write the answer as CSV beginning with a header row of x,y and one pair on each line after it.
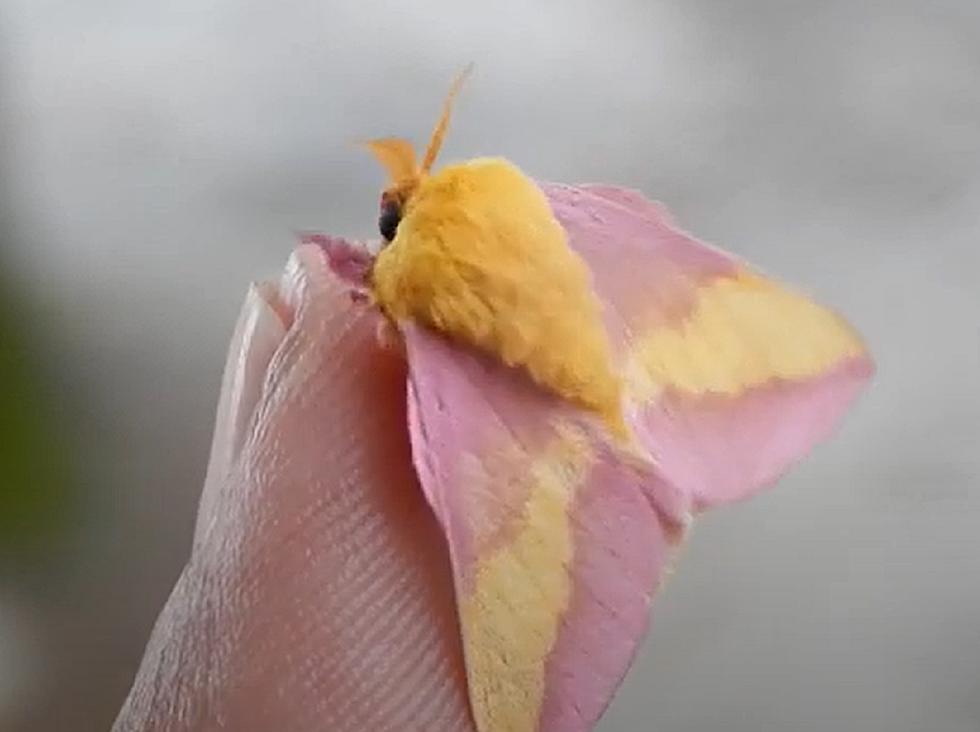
x,y
735,377
555,550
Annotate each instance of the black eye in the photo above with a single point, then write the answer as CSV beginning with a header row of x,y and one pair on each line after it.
x,y
388,220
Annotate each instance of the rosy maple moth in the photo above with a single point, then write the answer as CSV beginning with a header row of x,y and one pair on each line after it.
x,y
546,327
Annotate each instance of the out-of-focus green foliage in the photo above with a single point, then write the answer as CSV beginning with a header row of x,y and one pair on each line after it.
x,y
33,474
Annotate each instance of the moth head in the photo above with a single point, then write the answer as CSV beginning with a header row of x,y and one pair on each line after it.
x,y
405,173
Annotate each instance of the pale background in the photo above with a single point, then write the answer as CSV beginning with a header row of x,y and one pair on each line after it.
x,y
157,155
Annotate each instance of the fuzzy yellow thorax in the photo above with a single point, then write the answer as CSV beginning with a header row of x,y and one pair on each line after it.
x,y
479,256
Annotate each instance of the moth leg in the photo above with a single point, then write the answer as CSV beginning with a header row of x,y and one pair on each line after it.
x,y
359,297
389,337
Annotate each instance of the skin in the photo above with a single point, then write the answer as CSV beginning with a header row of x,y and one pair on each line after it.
x,y
318,593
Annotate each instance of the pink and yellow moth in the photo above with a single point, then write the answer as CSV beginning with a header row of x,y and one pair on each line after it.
x,y
584,379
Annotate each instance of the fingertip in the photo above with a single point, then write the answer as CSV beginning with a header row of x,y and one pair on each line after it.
x,y
313,535
308,281
261,327
270,293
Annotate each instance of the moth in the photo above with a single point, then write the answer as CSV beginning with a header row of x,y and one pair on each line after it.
x,y
584,378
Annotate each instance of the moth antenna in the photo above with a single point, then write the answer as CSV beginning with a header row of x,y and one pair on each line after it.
x,y
439,132
397,156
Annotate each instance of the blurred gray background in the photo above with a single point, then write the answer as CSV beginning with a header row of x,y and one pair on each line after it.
x,y
156,156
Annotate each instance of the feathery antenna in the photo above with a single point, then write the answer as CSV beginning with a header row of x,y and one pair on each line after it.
x,y
441,126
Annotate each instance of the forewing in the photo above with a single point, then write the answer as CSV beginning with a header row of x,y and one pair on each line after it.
x,y
733,376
